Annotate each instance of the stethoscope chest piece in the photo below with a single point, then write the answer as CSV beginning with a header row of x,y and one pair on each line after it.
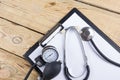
x,y
87,33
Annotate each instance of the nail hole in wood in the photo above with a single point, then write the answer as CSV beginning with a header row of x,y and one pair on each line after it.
x,y
52,3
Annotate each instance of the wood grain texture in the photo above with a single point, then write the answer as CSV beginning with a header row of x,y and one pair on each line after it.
x,y
22,21
41,15
113,5
15,38
13,67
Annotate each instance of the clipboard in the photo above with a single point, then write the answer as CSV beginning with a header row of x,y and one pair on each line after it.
x,y
100,69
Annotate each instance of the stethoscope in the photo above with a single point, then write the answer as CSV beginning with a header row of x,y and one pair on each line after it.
x,y
87,34
67,74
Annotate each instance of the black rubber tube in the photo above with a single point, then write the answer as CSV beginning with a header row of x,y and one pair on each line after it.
x,y
66,73
102,55
88,73
33,66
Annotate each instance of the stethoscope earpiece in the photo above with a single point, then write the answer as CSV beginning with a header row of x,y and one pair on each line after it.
x,y
87,33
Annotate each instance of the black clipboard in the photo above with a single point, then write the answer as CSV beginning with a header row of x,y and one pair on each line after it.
x,y
76,11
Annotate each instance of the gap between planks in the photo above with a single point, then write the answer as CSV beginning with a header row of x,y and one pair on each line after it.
x,y
16,39
112,5
97,6
13,67
22,25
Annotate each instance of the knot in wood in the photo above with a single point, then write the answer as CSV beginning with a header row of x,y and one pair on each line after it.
x,y
17,40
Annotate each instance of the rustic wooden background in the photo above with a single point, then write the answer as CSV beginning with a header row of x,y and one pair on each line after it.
x,y
23,22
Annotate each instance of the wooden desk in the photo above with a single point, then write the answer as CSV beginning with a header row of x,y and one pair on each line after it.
x,y
23,22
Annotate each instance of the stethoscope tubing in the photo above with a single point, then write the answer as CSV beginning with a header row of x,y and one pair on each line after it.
x,y
102,55
66,72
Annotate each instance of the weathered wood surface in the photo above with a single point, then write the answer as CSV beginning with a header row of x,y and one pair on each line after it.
x,y
110,5
23,22
13,67
15,38
41,15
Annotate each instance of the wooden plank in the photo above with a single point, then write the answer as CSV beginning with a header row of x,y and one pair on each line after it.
x,y
41,15
113,5
29,13
15,38
13,67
